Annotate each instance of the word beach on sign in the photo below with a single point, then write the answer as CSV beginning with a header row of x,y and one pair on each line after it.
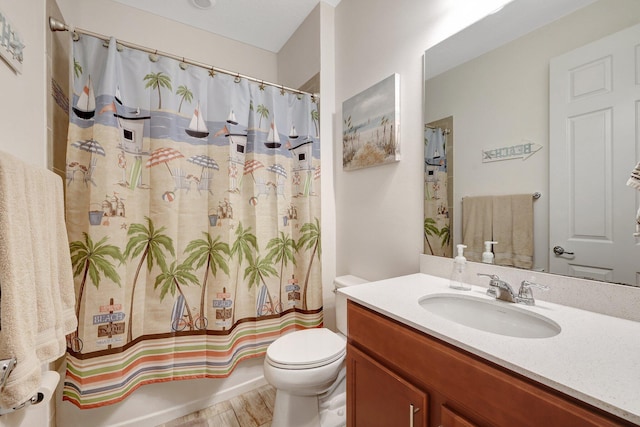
x,y
519,151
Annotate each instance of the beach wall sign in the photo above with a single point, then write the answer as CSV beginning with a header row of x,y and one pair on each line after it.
x,y
11,45
519,151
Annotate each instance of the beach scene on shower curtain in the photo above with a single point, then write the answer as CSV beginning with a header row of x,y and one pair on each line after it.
x,y
193,213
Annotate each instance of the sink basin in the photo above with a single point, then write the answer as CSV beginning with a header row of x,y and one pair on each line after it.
x,y
497,317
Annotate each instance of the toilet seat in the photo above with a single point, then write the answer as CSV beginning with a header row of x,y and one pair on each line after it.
x,y
306,349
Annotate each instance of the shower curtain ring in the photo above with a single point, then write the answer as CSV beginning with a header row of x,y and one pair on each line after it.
x,y
153,57
282,90
261,85
183,65
237,79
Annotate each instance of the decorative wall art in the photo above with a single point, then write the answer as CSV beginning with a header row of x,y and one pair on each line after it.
x,y
11,45
370,126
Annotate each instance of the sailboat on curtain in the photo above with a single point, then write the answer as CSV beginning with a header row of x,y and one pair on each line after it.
x,y
293,134
85,107
232,118
197,127
273,138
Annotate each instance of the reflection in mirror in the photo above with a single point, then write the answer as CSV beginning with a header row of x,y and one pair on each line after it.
x,y
438,187
492,81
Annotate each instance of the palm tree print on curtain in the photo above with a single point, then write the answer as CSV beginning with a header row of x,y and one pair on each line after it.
x,y
190,260
211,252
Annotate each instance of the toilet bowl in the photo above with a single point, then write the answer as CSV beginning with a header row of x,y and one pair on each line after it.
x,y
307,370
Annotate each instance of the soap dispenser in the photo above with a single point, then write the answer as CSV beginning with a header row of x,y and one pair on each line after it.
x,y
459,264
487,255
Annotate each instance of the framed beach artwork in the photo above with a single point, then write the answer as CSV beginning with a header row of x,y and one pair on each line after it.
x,y
370,126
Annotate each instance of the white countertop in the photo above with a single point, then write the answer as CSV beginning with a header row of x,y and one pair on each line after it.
x,y
595,358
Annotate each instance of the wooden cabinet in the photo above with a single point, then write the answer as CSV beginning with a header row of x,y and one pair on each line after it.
x,y
384,398
391,366
448,418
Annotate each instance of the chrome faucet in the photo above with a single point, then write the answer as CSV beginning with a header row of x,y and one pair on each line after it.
x,y
499,289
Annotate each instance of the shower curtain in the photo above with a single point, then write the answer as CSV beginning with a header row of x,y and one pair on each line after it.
x,y
193,212
437,224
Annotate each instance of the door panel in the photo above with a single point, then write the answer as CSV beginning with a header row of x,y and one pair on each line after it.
x,y
594,120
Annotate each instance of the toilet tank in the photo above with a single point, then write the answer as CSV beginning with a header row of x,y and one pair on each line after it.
x,y
341,300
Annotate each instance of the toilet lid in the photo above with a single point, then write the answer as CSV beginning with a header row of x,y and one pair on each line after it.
x,y
306,349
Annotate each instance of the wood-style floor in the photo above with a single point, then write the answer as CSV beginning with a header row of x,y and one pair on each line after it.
x,y
252,409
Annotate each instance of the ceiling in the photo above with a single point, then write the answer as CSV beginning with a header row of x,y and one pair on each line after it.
x,y
266,24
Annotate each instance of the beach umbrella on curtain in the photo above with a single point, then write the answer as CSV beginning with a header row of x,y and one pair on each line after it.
x,y
90,145
250,166
205,161
316,172
163,155
278,169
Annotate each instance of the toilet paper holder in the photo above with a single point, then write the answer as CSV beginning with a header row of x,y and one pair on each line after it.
x,y
35,399
6,366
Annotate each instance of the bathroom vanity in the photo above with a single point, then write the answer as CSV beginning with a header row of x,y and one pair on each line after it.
x,y
409,366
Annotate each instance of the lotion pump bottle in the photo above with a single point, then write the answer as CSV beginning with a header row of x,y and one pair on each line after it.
x,y
459,264
487,255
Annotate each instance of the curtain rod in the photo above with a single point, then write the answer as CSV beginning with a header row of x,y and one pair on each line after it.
x,y
56,25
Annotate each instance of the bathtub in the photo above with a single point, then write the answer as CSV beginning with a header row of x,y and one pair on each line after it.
x,y
159,403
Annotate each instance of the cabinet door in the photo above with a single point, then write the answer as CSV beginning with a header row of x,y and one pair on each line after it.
x,y
451,419
377,396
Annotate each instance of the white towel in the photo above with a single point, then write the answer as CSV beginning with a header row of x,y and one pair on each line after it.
x,y
513,230
477,227
36,278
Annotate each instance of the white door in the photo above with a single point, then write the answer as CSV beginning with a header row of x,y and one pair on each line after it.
x,y
594,120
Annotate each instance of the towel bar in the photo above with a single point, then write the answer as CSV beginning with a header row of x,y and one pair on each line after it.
x,y
535,195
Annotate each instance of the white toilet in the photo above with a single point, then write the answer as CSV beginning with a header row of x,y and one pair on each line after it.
x,y
307,370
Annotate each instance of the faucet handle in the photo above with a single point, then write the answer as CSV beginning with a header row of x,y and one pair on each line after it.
x,y
494,284
525,294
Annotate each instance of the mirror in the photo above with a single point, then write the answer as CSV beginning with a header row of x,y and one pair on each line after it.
x,y
487,87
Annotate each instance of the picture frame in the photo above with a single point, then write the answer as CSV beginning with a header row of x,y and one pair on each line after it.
x,y
11,45
371,122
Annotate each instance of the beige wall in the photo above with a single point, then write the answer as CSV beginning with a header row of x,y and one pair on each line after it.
x,y
23,110
136,26
379,209
299,58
